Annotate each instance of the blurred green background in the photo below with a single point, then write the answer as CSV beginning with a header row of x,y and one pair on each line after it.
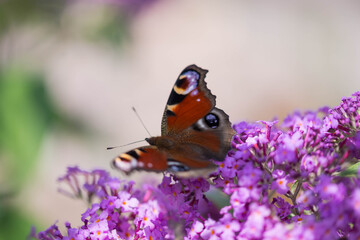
x,y
70,71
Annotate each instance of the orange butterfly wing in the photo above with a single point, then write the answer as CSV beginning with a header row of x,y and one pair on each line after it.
x,y
189,101
147,158
191,117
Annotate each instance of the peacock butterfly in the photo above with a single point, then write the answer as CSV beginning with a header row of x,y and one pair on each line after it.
x,y
193,130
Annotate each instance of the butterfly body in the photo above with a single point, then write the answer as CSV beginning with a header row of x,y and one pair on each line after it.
x,y
193,130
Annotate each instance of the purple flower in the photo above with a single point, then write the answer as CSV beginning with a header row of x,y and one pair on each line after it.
x,y
280,184
355,201
148,214
311,160
228,227
309,163
249,175
330,191
91,212
284,155
283,208
226,183
198,186
125,229
152,234
238,202
229,167
209,230
126,202
294,141
52,231
326,230
99,230
305,200
108,203
329,123
277,232
195,230
354,145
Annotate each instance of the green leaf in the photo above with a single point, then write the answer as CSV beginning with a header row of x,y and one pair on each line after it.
x,y
294,186
219,198
350,171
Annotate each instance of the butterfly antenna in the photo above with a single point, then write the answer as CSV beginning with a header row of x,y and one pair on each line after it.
x,y
109,148
133,108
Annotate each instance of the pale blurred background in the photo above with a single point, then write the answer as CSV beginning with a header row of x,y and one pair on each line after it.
x,y
70,71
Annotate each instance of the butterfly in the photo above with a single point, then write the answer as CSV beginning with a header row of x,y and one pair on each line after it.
x,y
193,131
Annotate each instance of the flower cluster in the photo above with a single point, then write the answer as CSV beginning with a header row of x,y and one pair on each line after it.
x,y
120,211
297,180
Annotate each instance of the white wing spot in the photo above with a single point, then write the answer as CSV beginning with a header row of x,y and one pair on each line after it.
x,y
194,93
122,165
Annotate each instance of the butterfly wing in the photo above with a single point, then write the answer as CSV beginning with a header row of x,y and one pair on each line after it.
x,y
151,158
192,119
147,158
189,101
213,134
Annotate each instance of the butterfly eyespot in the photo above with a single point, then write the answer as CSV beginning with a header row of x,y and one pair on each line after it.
x,y
188,81
212,120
